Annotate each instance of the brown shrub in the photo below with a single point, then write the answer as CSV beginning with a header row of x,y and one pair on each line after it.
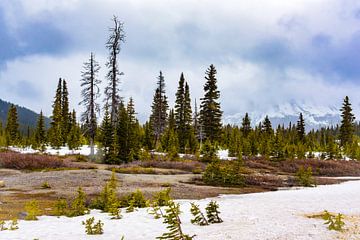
x,y
30,161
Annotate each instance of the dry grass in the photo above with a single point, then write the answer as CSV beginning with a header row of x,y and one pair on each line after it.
x,y
13,206
184,165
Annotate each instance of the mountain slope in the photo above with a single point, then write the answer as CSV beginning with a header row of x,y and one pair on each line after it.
x,y
26,117
315,116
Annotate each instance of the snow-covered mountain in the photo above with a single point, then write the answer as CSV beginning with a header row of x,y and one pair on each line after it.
x,y
315,116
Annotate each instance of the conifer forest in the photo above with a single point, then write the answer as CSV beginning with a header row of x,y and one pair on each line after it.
x,y
233,153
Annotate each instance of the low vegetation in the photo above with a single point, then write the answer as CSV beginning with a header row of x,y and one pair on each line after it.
x,y
92,228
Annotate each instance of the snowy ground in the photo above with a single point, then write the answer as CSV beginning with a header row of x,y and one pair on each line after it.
x,y
271,215
85,150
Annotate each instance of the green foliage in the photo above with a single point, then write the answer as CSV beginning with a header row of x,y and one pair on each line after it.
x,y
32,210
92,228
134,200
78,205
108,200
74,135
12,127
61,207
14,225
212,212
3,225
304,177
209,152
162,198
347,123
210,111
199,217
335,223
45,185
172,219
224,173
40,133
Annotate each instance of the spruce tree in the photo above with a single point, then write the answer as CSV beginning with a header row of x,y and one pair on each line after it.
x,y
122,133
12,127
210,112
55,136
90,92
74,136
300,129
106,135
347,123
246,125
40,133
159,108
266,126
65,113
179,112
113,44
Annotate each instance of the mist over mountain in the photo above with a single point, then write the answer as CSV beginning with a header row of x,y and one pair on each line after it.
x,y
315,116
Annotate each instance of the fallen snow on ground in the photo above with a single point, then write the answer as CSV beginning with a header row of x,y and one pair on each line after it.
x,y
272,215
62,151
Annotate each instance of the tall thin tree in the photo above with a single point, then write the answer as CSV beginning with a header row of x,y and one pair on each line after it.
x,y
90,93
347,123
113,44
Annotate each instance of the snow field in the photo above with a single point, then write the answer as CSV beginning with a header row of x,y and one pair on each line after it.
x,y
272,215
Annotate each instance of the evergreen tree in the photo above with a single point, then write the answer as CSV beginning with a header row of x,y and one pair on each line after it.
x,y
40,133
106,135
266,126
134,131
74,136
347,123
300,129
65,113
90,92
210,112
148,140
158,117
113,44
12,127
55,136
212,212
246,125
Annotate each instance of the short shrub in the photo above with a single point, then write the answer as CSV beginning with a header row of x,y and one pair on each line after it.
x,y
92,228
78,205
304,177
223,173
335,223
61,207
32,210
45,185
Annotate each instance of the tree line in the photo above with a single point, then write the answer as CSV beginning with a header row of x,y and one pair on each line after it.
x,y
120,137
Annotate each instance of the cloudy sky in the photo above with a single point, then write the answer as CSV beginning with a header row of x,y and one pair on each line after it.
x,y
267,52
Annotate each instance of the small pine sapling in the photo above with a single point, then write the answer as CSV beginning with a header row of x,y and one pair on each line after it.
x,y
45,185
2,225
115,211
199,217
162,198
78,206
92,228
32,209
212,212
172,219
61,207
155,210
335,223
14,225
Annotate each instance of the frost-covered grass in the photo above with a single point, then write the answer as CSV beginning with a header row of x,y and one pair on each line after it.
x,y
271,215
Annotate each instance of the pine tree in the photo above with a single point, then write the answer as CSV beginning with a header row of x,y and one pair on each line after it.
x,y
266,126
179,112
113,44
210,112
199,217
133,129
90,92
190,140
74,136
106,134
55,135
173,221
246,125
159,108
122,133
40,133
300,129
347,123
65,113
212,212
12,127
